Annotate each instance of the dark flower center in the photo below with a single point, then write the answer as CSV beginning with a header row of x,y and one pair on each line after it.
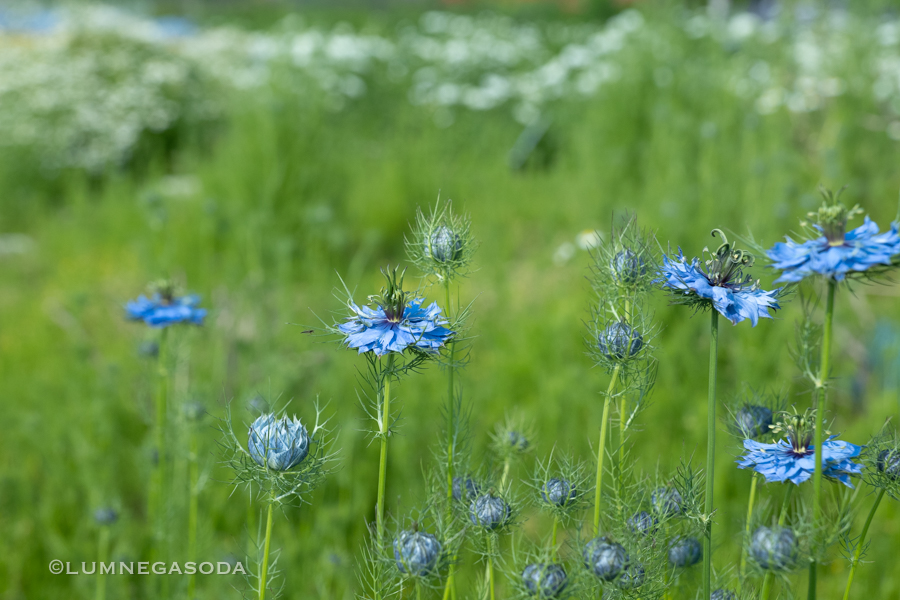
x,y
725,266
799,432
392,299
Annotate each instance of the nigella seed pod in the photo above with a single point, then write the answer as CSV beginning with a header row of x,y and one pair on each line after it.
x,y
753,420
643,523
279,444
605,558
194,411
620,340
545,580
773,547
558,492
632,577
416,552
685,552
722,595
106,516
518,441
628,267
443,245
472,489
489,512
666,501
888,462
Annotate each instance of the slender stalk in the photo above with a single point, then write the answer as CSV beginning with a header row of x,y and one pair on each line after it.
x,y
382,465
252,529
264,571
753,481
861,542
710,449
821,397
491,565
451,402
553,536
418,590
767,580
193,504
601,448
102,554
622,400
157,479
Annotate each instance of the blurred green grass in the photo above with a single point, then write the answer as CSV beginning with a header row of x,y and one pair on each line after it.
x,y
287,194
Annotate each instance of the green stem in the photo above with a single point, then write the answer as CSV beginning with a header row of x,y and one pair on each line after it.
x,y
252,531
710,450
601,448
418,590
451,405
824,369
491,565
264,571
157,478
553,536
861,542
193,505
767,580
622,399
450,588
382,465
753,481
102,554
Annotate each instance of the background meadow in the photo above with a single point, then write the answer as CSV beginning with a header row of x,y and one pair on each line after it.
x,y
256,153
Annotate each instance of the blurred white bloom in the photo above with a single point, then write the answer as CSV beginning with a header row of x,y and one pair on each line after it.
x,y
588,239
769,101
15,243
564,253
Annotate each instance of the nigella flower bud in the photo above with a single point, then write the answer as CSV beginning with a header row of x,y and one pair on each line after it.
x,y
753,420
666,501
888,462
443,245
722,595
558,492
489,511
628,267
545,580
106,516
605,558
620,340
632,577
685,552
279,444
773,548
194,411
518,441
472,488
416,552
643,523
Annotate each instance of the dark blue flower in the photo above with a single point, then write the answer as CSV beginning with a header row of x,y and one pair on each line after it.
x,y
489,512
794,459
279,444
382,331
159,311
773,547
604,558
619,340
722,284
722,594
545,580
684,552
416,552
470,486
558,492
835,254
753,420
666,501
643,523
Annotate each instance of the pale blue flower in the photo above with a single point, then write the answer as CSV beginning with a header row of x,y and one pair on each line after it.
x,y
794,459
382,331
416,552
279,444
159,311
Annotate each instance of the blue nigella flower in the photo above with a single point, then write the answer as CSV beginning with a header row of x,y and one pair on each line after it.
x,y
279,444
794,458
558,491
888,462
604,558
468,484
643,523
836,253
722,594
721,285
395,324
753,420
416,552
517,441
619,340
161,310
685,552
545,580
628,267
666,501
489,512
444,245
773,547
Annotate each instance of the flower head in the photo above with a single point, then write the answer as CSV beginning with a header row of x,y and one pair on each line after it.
x,y
604,558
836,252
794,457
396,323
753,420
164,308
465,488
888,462
544,580
773,548
517,441
443,245
489,512
558,491
628,267
619,340
279,444
416,552
666,501
721,285
685,552
643,523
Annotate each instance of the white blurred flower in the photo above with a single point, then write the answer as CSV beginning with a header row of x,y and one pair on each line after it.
x,y
588,239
